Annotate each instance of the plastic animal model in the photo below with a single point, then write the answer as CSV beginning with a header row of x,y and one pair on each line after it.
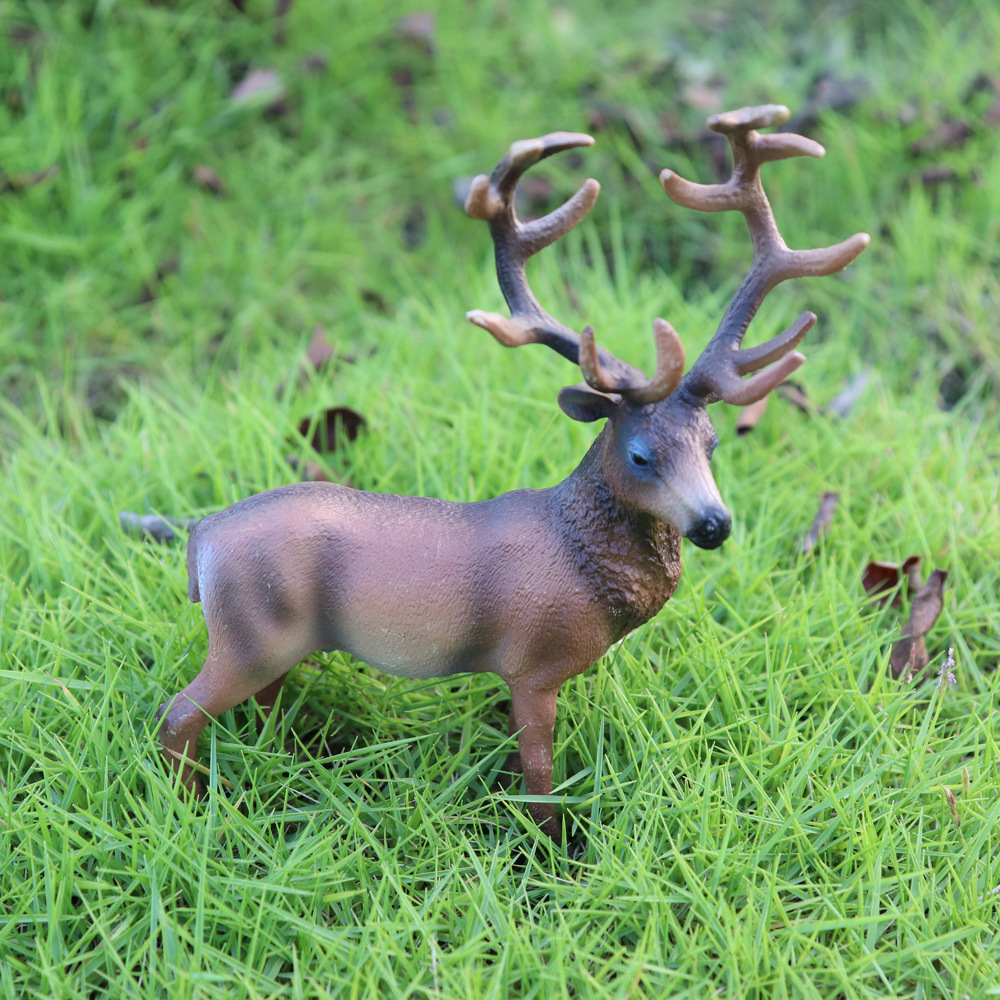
x,y
534,585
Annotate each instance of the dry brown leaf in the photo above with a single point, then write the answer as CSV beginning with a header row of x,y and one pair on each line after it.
x,y
208,179
703,96
320,349
845,400
281,8
949,134
154,527
21,182
322,432
750,416
796,395
260,87
420,27
821,523
315,62
914,575
939,173
991,83
909,658
880,579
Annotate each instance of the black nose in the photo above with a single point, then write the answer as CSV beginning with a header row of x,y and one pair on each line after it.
x,y
711,531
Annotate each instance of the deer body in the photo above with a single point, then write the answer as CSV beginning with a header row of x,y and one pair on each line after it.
x,y
534,585
419,587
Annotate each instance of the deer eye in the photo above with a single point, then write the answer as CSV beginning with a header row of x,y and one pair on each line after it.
x,y
641,456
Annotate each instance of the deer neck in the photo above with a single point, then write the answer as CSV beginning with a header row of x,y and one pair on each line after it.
x,y
632,558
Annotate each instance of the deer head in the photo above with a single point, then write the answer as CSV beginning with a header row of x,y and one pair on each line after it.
x,y
656,447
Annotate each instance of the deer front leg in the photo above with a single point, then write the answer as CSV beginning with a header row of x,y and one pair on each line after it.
x,y
533,717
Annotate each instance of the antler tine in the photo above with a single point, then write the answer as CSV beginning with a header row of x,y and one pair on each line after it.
x,y
641,391
492,199
716,374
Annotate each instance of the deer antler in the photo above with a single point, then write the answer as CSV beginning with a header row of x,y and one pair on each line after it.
x,y
492,199
717,374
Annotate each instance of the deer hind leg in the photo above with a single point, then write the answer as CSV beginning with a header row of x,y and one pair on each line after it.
x,y
533,718
224,682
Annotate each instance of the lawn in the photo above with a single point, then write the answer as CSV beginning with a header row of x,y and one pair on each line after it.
x,y
754,805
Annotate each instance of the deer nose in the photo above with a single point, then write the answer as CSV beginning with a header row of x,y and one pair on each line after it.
x,y
712,530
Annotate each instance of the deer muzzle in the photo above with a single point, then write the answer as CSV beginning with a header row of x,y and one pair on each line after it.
x,y
711,530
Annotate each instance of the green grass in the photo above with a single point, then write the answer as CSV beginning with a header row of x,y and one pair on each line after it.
x,y
756,809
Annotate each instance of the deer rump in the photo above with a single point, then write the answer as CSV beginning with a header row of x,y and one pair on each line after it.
x,y
415,586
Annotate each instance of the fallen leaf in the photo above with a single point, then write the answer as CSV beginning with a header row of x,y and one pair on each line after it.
x,y
949,134
315,62
796,395
375,299
940,173
414,227
281,8
320,350
703,96
21,182
909,657
260,88
207,178
821,523
322,432
154,527
880,579
420,27
845,400
991,84
828,93
914,576
750,416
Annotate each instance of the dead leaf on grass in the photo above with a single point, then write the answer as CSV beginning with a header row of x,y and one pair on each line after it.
x,y
281,8
949,134
325,431
261,88
880,580
207,178
324,436
909,658
320,350
821,523
750,416
154,527
796,395
420,28
844,402
315,62
990,83
24,181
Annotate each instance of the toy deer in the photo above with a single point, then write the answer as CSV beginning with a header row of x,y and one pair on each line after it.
x,y
534,585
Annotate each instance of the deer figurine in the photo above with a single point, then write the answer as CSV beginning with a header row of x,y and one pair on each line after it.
x,y
534,585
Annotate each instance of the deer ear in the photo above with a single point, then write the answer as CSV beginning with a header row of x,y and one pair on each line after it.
x,y
585,404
